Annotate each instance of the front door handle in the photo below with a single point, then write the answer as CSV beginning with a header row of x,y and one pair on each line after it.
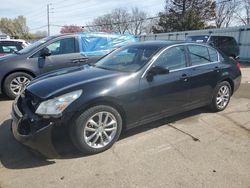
x,y
80,60
75,61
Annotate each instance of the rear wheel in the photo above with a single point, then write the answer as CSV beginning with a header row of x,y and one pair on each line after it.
x,y
96,129
15,82
221,96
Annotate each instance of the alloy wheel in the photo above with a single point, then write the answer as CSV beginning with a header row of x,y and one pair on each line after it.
x,y
18,83
223,97
100,129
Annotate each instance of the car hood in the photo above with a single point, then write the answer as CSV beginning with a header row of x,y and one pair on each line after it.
x,y
11,58
51,84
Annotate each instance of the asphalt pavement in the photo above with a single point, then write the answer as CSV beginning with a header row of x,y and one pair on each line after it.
x,y
193,149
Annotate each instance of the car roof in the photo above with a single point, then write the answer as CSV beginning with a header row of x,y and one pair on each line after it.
x,y
12,40
209,36
162,43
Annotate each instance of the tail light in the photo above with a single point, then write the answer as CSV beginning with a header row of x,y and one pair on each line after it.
x,y
238,65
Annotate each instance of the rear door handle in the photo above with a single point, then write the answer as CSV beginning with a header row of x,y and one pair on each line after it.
x,y
216,69
184,77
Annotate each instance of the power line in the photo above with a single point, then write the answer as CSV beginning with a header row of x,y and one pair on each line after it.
x,y
115,23
38,27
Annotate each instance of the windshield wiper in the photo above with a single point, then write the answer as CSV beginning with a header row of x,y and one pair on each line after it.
x,y
16,52
103,68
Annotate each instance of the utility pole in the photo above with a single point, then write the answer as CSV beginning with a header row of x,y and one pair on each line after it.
x,y
48,19
49,11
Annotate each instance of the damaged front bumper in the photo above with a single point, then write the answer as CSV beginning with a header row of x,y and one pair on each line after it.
x,y
32,131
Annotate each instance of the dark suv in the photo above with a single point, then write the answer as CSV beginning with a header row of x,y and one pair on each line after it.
x,y
52,53
225,44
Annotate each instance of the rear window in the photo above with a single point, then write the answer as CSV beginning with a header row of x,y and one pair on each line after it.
x,y
200,38
213,55
198,54
222,40
9,48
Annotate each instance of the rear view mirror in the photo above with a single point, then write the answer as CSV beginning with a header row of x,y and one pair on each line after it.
x,y
156,70
45,52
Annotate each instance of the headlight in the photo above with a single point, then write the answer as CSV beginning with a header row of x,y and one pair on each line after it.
x,y
57,105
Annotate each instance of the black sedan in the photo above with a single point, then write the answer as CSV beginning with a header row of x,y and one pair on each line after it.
x,y
136,84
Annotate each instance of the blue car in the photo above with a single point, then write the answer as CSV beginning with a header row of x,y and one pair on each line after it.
x,y
52,53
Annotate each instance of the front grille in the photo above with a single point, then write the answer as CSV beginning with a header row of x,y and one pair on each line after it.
x,y
30,100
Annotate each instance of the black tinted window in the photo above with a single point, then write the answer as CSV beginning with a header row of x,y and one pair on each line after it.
x,y
213,55
9,47
59,47
63,46
128,59
173,58
198,54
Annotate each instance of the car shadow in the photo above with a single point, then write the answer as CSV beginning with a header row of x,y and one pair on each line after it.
x,y
14,155
3,97
245,64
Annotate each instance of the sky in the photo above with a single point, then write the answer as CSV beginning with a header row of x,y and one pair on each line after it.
x,y
65,12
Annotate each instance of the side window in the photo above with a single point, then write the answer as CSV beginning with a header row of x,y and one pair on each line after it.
x,y
198,55
63,46
173,58
59,47
213,55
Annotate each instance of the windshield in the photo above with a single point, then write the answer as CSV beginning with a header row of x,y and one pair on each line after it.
x,y
201,38
128,59
34,45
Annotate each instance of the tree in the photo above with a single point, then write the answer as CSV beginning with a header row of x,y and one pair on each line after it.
x,y
71,29
40,34
116,21
121,20
182,15
137,21
244,14
16,27
224,13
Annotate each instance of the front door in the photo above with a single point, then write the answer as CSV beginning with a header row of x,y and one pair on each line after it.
x,y
166,94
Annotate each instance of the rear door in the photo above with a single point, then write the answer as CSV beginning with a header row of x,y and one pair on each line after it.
x,y
204,74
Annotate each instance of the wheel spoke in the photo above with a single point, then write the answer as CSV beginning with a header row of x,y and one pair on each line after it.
x,y
90,129
110,123
96,138
106,135
91,136
92,122
100,117
106,119
110,129
102,141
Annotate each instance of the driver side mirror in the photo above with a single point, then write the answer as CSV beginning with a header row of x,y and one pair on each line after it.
x,y
45,52
156,70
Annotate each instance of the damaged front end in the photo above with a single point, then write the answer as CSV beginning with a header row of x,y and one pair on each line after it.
x,y
31,129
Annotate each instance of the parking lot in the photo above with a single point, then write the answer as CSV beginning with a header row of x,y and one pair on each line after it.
x,y
194,149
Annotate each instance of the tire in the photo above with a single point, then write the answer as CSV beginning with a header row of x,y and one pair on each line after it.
x,y
10,80
225,98
83,129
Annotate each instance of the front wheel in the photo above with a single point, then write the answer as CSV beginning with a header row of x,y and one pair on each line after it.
x,y
15,82
221,96
96,129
